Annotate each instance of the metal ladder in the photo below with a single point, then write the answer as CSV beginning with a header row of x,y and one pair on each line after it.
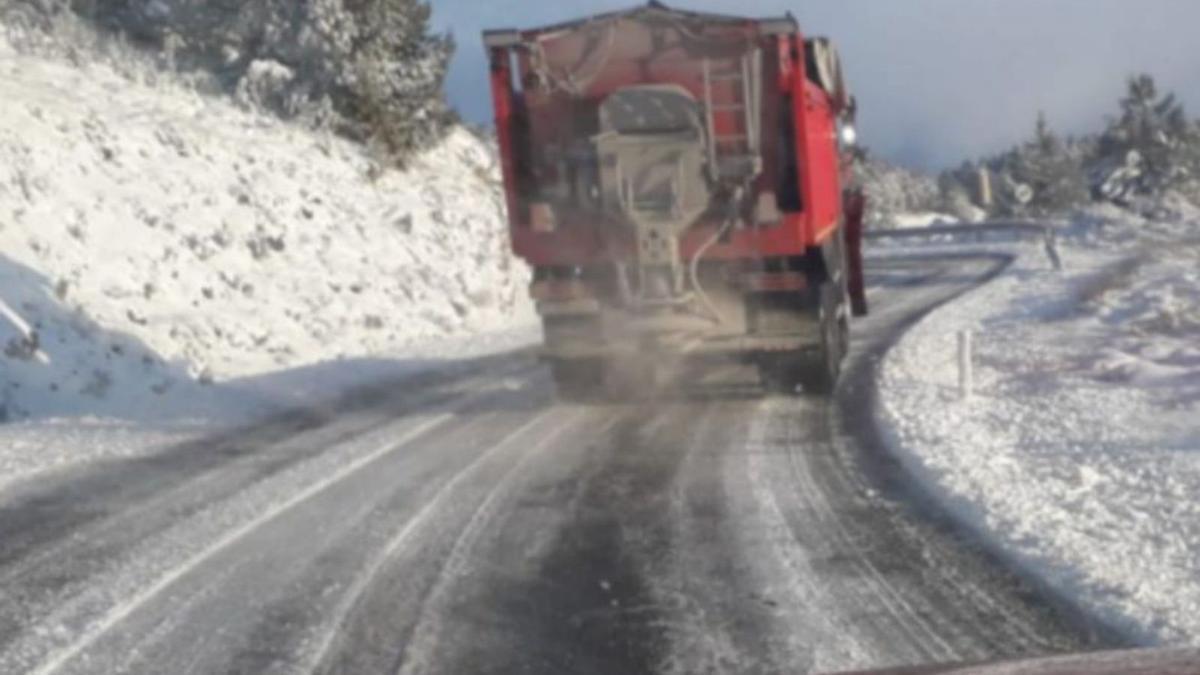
x,y
746,160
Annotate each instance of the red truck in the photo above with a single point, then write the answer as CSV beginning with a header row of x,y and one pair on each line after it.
x,y
675,180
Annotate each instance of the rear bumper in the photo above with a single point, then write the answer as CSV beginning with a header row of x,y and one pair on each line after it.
x,y
688,346
761,321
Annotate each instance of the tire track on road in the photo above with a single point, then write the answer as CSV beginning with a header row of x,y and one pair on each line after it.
x,y
416,659
77,506
54,660
411,529
830,527
815,624
296,571
561,578
709,632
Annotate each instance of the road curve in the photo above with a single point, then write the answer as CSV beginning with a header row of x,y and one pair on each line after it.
x,y
470,524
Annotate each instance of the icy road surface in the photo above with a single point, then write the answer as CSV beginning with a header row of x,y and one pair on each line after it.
x,y
472,524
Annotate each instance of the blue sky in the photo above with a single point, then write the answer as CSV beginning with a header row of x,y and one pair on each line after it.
x,y
937,80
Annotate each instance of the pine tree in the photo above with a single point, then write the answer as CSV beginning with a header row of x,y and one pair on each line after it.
x,y
398,74
1154,135
370,69
1053,172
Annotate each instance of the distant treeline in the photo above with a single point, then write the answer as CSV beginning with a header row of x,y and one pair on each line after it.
x,y
1147,150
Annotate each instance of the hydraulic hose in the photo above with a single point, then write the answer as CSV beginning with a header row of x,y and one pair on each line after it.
x,y
694,266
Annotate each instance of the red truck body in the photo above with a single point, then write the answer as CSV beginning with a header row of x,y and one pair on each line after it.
x,y
718,135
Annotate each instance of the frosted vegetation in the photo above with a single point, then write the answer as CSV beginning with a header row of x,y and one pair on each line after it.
x,y
893,191
1146,161
369,70
1148,153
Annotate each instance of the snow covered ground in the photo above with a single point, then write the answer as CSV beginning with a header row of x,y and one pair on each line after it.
x,y
1079,453
171,262
923,219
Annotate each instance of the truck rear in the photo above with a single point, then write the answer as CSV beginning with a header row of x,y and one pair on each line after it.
x,y
674,179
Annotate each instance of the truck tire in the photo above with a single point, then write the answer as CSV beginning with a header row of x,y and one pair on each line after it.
x,y
824,368
818,370
578,380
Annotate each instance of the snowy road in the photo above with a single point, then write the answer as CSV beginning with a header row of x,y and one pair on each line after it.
x,y
471,524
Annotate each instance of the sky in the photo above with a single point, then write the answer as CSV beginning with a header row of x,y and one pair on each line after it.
x,y
938,81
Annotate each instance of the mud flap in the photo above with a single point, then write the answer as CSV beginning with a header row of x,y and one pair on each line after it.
x,y
855,206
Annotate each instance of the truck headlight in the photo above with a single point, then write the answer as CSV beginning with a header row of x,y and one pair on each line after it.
x,y
849,135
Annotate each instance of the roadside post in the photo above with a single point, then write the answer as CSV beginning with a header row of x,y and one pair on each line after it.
x,y
1050,241
966,379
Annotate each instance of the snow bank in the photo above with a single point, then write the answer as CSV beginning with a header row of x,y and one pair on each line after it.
x,y
158,241
30,449
915,219
1080,452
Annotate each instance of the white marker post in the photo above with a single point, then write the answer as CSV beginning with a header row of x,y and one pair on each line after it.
x,y
966,378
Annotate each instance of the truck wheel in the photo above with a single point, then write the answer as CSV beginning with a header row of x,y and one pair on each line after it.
x,y
825,367
578,380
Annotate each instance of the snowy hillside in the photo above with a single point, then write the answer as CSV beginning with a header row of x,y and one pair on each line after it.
x,y
157,240
1079,452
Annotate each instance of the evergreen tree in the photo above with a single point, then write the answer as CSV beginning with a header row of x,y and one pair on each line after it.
x,y
1153,138
369,69
1151,147
399,70
1043,176
1054,173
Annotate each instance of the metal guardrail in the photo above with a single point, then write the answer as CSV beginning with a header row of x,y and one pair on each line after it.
x,y
979,230
980,233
